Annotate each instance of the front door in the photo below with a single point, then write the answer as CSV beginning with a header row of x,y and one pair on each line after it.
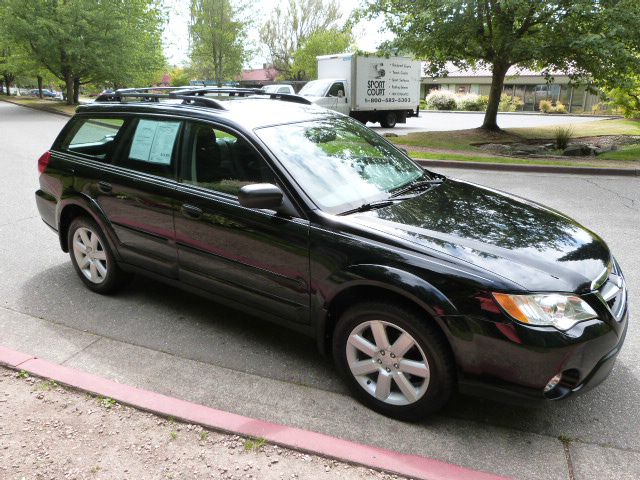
x,y
249,256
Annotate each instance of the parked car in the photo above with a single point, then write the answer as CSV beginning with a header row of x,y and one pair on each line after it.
x,y
417,284
46,93
279,88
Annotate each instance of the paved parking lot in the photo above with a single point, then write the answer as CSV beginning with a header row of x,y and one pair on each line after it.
x,y
443,121
169,341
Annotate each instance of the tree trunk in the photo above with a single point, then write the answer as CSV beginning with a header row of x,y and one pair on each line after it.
x,y
39,77
76,90
8,80
68,81
497,82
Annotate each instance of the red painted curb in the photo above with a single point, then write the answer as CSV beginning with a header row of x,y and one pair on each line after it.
x,y
311,442
13,358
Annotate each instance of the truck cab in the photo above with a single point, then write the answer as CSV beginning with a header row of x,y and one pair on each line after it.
x,y
331,93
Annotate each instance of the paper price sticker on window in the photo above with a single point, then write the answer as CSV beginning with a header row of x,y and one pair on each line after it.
x,y
153,141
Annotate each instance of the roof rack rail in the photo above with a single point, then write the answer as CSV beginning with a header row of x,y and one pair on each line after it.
x,y
119,96
194,95
243,92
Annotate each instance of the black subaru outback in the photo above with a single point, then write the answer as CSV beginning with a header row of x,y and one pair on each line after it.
x,y
417,284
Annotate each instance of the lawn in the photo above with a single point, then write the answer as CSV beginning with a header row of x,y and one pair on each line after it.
x,y
460,145
56,106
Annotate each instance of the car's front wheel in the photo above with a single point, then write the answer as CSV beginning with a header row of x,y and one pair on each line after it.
x,y
394,360
92,258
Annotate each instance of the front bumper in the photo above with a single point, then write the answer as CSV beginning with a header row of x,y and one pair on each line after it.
x,y
509,361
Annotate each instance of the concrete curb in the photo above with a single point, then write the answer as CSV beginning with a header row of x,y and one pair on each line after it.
x,y
302,440
512,167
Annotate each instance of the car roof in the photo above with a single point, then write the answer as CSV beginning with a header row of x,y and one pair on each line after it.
x,y
248,113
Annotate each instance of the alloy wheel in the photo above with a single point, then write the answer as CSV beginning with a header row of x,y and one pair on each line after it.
x,y
388,362
90,255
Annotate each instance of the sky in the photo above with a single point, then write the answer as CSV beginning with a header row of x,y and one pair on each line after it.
x,y
176,35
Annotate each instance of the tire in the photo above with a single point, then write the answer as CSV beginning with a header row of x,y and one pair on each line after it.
x,y
92,258
389,120
420,380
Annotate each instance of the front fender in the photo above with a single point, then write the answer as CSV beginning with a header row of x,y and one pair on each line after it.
x,y
413,288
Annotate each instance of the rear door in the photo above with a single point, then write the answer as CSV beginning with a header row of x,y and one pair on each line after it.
x,y
249,256
136,193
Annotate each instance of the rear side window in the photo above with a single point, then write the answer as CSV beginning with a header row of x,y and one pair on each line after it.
x,y
94,137
151,146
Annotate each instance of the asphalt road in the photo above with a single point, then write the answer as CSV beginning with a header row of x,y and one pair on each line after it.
x,y
443,121
169,341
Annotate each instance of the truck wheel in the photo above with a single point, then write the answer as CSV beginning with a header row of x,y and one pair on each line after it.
x,y
389,120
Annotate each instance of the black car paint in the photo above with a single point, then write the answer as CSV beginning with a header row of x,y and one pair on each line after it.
x,y
443,251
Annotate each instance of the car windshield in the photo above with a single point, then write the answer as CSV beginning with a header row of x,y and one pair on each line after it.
x,y
315,88
339,163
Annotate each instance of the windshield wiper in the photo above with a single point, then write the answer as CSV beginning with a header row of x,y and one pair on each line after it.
x,y
369,206
418,185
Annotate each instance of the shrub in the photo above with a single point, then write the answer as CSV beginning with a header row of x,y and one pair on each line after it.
x,y
441,100
509,103
472,102
560,108
545,106
562,136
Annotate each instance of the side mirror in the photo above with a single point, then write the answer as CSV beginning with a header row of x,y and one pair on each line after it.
x,y
260,195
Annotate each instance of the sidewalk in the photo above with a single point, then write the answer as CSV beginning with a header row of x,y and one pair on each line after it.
x,y
47,431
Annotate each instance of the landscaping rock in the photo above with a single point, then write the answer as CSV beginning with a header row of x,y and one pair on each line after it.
x,y
579,150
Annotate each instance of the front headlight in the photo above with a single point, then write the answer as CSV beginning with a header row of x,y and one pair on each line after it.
x,y
556,310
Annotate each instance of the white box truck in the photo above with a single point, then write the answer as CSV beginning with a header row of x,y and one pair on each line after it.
x,y
369,89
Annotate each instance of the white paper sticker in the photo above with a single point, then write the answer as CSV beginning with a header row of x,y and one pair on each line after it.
x,y
153,141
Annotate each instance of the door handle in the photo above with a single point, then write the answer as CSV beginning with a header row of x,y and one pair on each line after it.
x,y
191,211
105,187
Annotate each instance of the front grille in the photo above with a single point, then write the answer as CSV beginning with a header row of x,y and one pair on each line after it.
x,y
613,292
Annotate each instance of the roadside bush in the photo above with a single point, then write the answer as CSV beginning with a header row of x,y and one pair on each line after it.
x,y
441,100
509,103
560,108
562,136
545,106
472,102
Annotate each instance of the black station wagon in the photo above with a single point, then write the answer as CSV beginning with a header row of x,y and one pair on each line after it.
x,y
416,283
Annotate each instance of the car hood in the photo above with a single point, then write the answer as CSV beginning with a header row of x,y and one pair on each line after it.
x,y
533,246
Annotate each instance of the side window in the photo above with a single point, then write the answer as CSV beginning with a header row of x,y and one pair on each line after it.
x,y
335,88
94,137
151,147
283,90
221,161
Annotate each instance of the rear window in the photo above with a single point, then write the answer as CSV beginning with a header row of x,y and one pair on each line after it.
x,y
93,137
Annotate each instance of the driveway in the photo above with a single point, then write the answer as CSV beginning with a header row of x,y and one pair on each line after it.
x,y
431,121
162,339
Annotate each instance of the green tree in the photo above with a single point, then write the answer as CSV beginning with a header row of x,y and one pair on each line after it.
x,y
290,26
82,41
179,76
626,95
305,64
218,39
589,39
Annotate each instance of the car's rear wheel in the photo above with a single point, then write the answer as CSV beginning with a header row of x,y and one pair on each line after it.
x,y
92,258
394,360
